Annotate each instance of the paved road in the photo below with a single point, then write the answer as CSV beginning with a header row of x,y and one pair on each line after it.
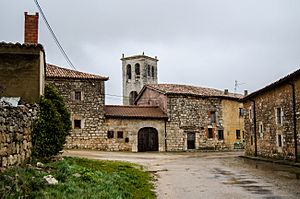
x,y
210,175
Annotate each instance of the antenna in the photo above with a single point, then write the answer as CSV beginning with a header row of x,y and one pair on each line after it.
x,y
236,85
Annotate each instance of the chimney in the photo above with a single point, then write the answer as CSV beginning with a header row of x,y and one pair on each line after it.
x,y
226,92
31,28
245,92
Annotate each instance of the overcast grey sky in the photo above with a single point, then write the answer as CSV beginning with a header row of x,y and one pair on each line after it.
x,y
208,43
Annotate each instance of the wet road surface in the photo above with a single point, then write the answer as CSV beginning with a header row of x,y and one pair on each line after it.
x,y
210,175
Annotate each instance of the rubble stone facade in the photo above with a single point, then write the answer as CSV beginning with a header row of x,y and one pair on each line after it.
x,y
269,122
15,134
85,100
196,121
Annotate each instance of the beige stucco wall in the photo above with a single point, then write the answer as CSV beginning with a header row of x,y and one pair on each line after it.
x,y
232,121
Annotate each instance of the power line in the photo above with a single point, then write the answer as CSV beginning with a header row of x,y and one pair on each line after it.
x,y
54,36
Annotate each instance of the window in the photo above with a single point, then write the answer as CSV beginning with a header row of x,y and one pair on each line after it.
x,y
110,134
132,96
77,124
241,112
153,72
120,134
212,117
251,140
250,113
128,71
261,129
148,70
210,133
238,134
279,140
137,70
77,95
221,134
279,116
126,140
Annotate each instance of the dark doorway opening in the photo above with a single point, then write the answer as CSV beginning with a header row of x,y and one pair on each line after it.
x,y
147,139
191,139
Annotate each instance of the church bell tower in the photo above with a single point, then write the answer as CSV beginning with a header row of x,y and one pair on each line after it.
x,y
137,71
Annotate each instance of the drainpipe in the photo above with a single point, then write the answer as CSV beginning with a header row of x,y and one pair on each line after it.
x,y
166,148
255,133
295,121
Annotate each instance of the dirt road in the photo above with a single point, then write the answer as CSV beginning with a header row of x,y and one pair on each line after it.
x,y
210,175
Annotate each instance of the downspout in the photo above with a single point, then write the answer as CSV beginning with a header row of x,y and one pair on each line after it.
x,y
166,148
295,121
255,133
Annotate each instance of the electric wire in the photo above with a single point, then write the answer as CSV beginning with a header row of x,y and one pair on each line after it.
x,y
54,36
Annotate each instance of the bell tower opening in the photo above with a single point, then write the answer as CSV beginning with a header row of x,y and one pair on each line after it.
x,y
137,70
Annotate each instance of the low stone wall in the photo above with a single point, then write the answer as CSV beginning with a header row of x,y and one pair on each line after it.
x,y
15,134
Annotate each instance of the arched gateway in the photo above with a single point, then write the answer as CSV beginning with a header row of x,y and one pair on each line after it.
x,y
147,139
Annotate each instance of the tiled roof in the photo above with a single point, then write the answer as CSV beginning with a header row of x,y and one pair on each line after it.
x,y
19,45
176,89
287,79
58,72
149,112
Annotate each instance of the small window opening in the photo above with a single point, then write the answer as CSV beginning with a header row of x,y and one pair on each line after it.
x,y
212,117
77,124
120,134
241,112
126,140
279,140
128,71
132,96
210,133
153,72
110,134
220,134
278,115
251,140
148,70
238,134
78,95
137,70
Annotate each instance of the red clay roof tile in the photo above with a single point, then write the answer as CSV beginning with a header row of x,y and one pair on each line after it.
x,y
149,112
59,72
192,90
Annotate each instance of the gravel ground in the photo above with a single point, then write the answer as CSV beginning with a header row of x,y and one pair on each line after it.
x,y
210,175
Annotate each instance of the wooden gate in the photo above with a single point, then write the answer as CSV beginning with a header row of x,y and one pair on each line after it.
x,y
147,139
191,138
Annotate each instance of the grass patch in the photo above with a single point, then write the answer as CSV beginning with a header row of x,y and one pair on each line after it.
x,y
78,178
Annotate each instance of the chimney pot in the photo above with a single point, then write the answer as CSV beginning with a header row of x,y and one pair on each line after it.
x,y
225,91
245,92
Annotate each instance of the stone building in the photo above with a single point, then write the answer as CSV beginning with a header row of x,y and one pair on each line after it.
x,y
272,122
137,71
135,128
22,71
198,118
84,96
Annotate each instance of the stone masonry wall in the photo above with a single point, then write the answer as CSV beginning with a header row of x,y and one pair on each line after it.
x,y
267,128
15,134
130,128
89,110
191,115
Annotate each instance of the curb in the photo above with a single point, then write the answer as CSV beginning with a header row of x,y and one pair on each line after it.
x,y
281,162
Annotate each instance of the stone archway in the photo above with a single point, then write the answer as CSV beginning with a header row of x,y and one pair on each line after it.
x,y
147,139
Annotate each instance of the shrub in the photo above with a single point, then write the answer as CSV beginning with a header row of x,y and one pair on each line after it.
x,y
52,125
